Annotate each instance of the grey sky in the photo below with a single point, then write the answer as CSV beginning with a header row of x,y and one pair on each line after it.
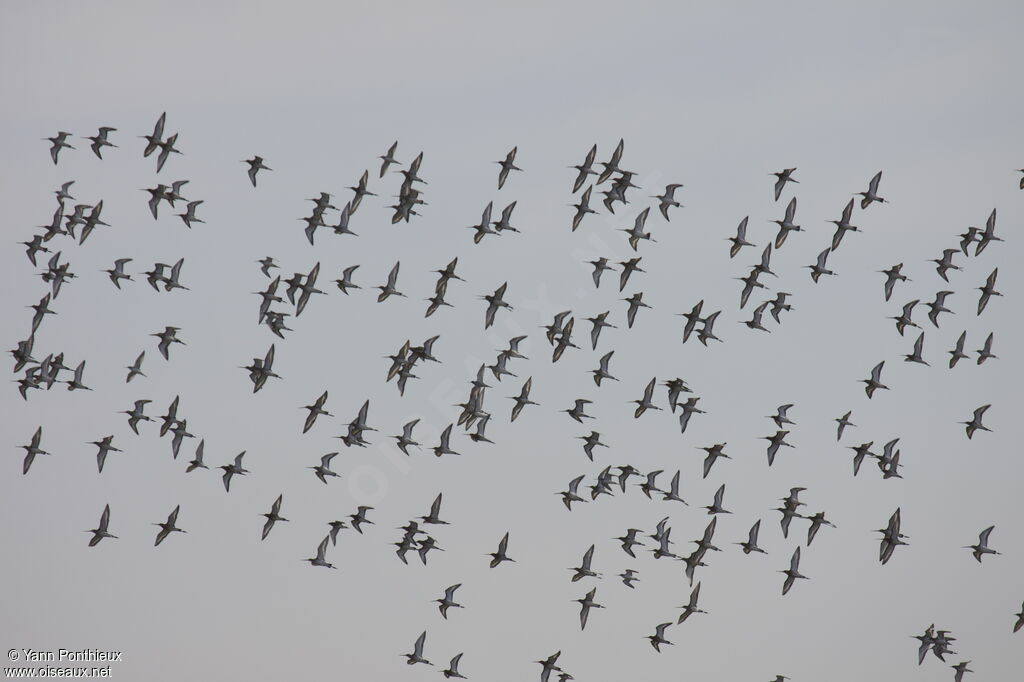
x,y
712,97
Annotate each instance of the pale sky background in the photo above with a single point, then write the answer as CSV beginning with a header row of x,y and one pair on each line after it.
x,y
715,97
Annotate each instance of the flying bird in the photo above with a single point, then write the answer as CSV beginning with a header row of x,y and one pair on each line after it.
x,y
507,165
843,421
691,607
982,548
523,399
405,440
500,555
169,526
872,194
751,543
817,521
916,356
32,449
793,572
874,383
255,166
819,269
135,369
494,302
843,226
388,159
272,517
975,423
667,199
197,460
582,209
584,570
985,352
153,141
988,234
323,470
587,603
101,531
359,518
782,177
167,337
315,410
658,638
893,275
321,555
233,469
585,169
569,496
646,403
448,601
636,301
548,665
945,263
136,414
453,668
958,354
988,290
105,446
938,306
786,225
740,240
59,141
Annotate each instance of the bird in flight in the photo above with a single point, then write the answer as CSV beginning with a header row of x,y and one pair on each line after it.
x,y
32,449
272,517
975,425
871,195
417,652
793,572
255,166
169,526
982,548
500,555
507,165
321,555
101,531
782,177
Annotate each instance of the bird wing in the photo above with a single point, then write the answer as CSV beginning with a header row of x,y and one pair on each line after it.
x,y
873,185
791,210
587,556
983,536
876,372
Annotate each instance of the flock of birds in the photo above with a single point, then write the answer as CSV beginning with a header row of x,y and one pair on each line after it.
x,y
285,298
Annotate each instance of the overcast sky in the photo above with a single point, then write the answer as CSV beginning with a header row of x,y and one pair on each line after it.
x,y
713,97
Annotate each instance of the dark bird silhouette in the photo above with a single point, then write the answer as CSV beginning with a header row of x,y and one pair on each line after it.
x,y
255,166
507,165
793,572
782,177
872,194
500,555
102,530
975,424
874,383
273,516
169,526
